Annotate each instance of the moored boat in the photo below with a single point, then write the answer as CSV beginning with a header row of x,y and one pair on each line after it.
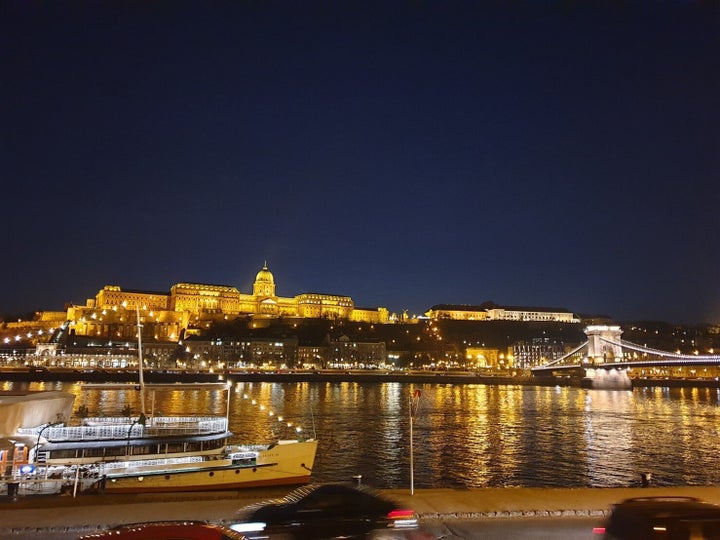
x,y
146,454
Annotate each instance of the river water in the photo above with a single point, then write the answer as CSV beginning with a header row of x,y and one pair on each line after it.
x,y
464,436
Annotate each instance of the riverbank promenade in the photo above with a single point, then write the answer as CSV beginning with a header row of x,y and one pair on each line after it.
x,y
87,513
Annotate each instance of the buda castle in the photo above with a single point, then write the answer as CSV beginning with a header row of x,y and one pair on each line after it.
x,y
190,307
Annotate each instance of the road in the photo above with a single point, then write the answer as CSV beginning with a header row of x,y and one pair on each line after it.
x,y
551,528
498,513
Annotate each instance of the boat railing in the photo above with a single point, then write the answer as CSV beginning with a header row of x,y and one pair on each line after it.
x,y
111,428
243,455
150,421
112,465
88,433
254,448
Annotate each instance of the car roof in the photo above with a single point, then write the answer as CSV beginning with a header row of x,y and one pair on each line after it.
x,y
335,488
329,489
665,505
637,518
359,495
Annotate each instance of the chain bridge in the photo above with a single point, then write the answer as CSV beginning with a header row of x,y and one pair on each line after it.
x,y
605,359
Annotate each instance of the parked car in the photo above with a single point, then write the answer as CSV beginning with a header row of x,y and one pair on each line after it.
x,y
667,518
325,511
167,530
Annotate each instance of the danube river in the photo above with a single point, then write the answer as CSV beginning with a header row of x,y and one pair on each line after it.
x,y
465,435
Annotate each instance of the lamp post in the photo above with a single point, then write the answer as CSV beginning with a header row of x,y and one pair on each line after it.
x,y
140,363
414,401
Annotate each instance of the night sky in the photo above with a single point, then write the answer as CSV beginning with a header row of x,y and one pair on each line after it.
x,y
405,154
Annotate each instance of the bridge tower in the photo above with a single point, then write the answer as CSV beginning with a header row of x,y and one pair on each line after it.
x,y
599,348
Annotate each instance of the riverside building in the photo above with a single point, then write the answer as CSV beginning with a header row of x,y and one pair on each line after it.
x,y
489,311
188,307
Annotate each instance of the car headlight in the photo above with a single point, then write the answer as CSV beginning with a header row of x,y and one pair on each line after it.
x,y
253,526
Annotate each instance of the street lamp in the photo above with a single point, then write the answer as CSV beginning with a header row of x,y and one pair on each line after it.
x,y
414,401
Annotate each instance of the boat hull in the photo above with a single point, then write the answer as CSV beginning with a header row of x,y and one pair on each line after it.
x,y
282,464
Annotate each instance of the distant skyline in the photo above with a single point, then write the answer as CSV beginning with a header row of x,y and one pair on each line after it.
x,y
405,154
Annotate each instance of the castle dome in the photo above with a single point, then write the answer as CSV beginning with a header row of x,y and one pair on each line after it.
x,y
264,275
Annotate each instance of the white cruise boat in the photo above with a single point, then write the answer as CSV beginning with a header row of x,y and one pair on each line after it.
x,y
125,455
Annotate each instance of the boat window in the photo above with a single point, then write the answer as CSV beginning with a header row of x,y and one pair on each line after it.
x,y
214,444
94,452
62,454
175,447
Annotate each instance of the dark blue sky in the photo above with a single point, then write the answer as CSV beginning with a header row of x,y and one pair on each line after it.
x,y
403,153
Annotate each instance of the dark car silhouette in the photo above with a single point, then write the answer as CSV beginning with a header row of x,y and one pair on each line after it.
x,y
666,518
329,511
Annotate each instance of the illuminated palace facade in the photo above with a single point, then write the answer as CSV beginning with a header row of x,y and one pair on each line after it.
x,y
490,311
187,306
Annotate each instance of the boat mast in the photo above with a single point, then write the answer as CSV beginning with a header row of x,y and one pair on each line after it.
x,y
140,362
227,405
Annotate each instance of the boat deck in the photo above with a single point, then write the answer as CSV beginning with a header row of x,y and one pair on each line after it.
x,y
114,428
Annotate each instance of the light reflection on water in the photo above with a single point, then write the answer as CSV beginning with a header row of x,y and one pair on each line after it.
x,y
465,435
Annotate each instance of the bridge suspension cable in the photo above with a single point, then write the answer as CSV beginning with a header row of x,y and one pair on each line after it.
x,y
639,348
565,356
